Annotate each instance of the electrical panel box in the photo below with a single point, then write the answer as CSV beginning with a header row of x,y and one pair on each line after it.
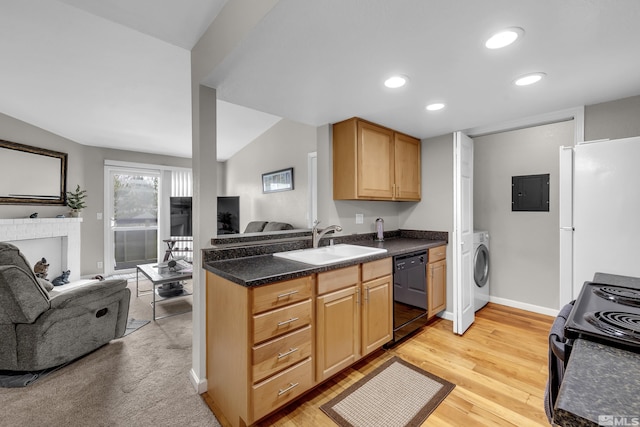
x,y
530,193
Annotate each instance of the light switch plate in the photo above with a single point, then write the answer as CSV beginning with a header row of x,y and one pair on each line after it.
x,y
359,219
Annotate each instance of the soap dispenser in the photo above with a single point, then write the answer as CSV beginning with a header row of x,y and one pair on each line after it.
x,y
380,230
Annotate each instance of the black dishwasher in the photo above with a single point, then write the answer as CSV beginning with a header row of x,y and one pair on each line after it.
x,y
409,293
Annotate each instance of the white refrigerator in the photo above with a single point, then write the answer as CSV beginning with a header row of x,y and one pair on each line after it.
x,y
606,210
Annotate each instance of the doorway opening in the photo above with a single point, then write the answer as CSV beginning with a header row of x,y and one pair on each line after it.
x,y
132,236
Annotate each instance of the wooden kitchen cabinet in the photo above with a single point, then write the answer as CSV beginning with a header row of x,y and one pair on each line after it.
x,y
267,345
407,167
436,281
371,162
377,313
353,315
259,346
337,320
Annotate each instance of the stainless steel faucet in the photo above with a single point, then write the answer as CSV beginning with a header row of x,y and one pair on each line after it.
x,y
317,234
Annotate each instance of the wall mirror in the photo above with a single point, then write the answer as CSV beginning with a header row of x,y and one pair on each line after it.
x,y
32,175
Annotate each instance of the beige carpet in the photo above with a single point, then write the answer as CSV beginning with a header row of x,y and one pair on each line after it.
x,y
139,380
396,393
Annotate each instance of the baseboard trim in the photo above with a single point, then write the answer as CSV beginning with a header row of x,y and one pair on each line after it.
x,y
446,315
524,306
200,385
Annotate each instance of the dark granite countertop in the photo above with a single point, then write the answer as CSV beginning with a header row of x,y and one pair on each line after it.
x,y
599,380
262,269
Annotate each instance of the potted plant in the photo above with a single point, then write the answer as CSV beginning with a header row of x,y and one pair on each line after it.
x,y
75,200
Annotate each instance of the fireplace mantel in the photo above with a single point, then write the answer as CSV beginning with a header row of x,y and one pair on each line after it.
x,y
15,230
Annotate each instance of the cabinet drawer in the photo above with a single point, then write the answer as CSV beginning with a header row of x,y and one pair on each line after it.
x,y
280,353
280,321
375,269
279,294
333,280
437,253
273,393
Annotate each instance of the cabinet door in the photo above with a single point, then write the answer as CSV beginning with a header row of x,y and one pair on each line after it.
x,y
407,167
437,287
375,162
377,315
338,331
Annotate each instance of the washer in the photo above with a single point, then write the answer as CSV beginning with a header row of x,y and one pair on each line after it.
x,y
481,268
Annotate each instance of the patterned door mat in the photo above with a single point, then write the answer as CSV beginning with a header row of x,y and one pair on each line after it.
x,y
396,393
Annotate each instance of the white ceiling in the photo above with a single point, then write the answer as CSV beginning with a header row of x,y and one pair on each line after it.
x,y
116,73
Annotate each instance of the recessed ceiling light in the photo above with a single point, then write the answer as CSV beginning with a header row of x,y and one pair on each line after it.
x,y
394,82
529,79
504,38
435,107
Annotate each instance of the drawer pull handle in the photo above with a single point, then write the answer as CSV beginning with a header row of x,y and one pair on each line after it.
x,y
291,350
291,387
287,294
286,322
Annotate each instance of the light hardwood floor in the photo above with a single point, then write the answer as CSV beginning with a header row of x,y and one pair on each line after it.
x,y
499,367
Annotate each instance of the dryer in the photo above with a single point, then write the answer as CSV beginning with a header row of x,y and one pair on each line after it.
x,y
481,269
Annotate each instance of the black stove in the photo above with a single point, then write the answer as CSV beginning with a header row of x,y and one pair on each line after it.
x,y
608,314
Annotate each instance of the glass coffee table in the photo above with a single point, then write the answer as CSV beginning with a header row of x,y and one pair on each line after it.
x,y
160,277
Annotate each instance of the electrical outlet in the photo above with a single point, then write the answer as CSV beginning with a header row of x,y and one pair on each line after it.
x,y
99,215
359,219
99,264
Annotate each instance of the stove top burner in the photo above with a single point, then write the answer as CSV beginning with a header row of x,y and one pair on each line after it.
x,y
609,314
624,296
617,323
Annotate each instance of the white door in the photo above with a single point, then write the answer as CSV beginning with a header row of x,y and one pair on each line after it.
x,y
463,285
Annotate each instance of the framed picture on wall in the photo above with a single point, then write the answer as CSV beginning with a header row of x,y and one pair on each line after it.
x,y
281,180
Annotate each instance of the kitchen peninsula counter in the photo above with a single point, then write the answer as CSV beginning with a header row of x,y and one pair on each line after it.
x,y
250,266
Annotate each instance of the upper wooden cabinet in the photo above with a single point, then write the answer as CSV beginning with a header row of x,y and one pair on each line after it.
x,y
371,162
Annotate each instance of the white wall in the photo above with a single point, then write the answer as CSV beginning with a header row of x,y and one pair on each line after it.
x,y
221,173
524,246
284,145
612,120
435,210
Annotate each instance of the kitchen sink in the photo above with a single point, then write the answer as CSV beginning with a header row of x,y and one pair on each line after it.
x,y
329,254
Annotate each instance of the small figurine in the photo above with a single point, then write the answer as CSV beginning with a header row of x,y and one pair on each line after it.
x,y
62,279
34,215
41,269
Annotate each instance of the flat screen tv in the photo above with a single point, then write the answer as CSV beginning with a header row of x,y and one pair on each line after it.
x,y
181,216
